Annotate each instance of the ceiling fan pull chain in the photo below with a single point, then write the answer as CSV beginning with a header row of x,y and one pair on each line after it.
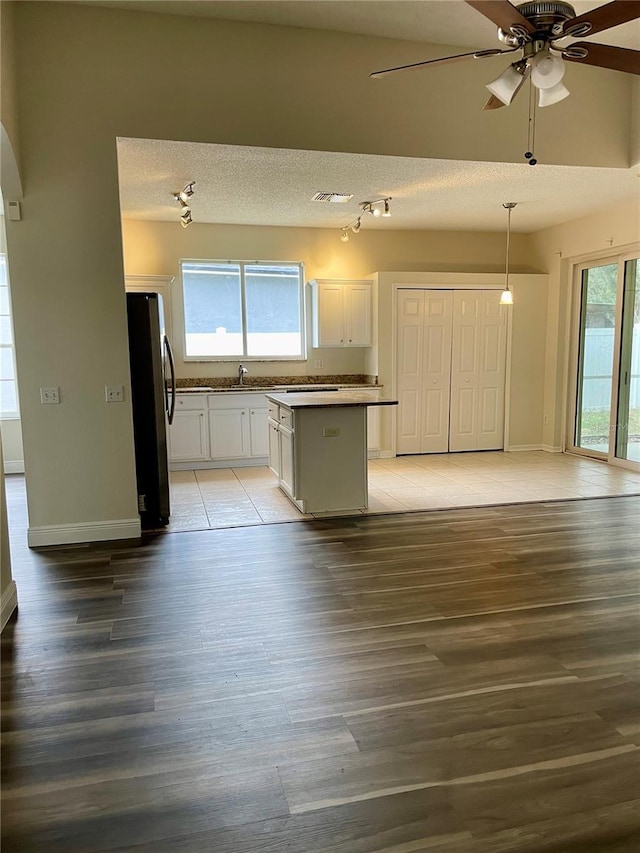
x,y
531,128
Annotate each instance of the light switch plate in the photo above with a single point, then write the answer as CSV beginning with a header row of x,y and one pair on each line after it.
x,y
114,393
50,396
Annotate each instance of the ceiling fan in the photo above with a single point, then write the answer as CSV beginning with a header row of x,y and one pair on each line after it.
x,y
535,28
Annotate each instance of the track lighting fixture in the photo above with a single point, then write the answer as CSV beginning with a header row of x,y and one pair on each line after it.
x,y
378,207
182,198
506,297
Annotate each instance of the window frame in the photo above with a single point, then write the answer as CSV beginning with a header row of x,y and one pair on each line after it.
x,y
14,414
243,316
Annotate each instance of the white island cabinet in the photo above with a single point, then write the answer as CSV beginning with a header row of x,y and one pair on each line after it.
x,y
320,456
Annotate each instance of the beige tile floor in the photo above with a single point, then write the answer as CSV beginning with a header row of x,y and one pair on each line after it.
x,y
229,497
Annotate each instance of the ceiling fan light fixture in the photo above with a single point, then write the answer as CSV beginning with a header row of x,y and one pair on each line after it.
x,y
507,84
547,69
554,95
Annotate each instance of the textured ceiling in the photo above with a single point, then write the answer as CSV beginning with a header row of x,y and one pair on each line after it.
x,y
272,186
260,186
434,21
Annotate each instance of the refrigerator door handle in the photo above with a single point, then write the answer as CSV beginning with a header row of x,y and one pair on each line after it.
x,y
171,405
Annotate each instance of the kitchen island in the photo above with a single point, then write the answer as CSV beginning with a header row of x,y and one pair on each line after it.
x,y
318,447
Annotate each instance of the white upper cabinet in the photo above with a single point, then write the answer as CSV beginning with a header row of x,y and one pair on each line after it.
x,y
341,312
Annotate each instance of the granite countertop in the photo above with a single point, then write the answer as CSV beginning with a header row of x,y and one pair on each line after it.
x,y
328,399
317,388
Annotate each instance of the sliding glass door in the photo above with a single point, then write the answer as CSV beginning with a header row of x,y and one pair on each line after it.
x,y
628,403
606,414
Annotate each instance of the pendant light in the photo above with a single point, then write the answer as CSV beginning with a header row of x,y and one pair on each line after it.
x,y
506,297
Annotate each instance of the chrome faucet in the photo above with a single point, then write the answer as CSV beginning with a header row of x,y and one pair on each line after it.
x,y
242,372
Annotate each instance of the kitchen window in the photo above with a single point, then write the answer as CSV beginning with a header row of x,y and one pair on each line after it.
x,y
243,309
8,388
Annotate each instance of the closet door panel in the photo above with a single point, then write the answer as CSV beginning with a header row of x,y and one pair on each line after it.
x,y
491,373
410,332
436,371
463,425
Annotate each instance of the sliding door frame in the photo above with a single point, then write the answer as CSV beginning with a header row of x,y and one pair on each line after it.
x,y
619,257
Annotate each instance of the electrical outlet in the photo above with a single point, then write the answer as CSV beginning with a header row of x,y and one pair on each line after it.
x,y
330,432
546,419
319,363
114,393
49,396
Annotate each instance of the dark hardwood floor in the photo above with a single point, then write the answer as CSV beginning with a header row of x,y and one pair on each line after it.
x,y
463,681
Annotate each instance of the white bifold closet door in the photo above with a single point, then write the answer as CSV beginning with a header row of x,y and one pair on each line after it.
x,y
451,368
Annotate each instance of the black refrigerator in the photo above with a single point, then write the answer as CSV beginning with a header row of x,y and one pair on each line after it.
x,y
153,401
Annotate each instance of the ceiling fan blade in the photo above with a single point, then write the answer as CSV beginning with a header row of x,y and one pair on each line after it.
x,y
604,17
605,56
503,14
494,103
442,60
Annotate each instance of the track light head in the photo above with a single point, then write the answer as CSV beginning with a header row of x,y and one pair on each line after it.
x,y
387,208
182,198
344,235
188,191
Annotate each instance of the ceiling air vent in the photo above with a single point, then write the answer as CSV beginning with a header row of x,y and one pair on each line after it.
x,y
340,198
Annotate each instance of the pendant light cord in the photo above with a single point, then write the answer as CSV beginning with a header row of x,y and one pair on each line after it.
x,y
508,241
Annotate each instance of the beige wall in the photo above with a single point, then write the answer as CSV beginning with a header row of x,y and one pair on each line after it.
x,y
556,250
155,248
88,75
634,154
9,129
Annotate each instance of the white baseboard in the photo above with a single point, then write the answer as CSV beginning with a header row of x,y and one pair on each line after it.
x,y
519,448
199,465
387,454
373,453
552,448
8,603
86,531
14,467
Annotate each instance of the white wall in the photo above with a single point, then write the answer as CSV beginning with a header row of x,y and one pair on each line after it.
x,y
556,250
87,75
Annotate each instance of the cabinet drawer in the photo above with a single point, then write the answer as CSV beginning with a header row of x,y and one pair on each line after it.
x,y
273,409
186,402
233,400
286,418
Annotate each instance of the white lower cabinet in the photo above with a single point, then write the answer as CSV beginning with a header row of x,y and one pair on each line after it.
x,y
189,434
229,433
217,430
274,447
258,431
286,475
